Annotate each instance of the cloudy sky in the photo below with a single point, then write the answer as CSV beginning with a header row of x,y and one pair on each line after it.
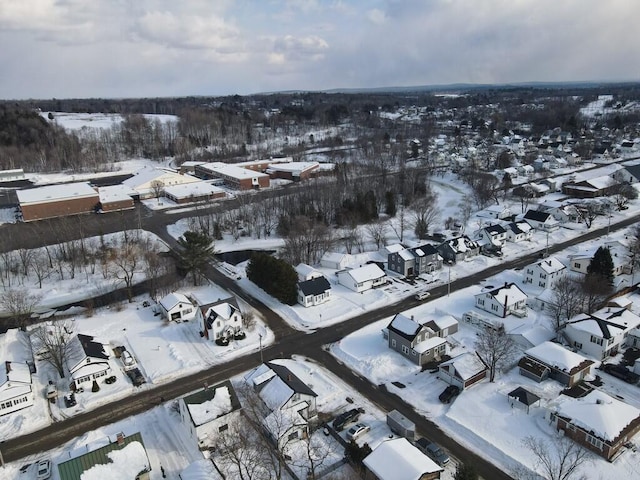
x,y
134,48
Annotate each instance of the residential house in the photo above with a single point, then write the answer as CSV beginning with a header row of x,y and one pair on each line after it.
x,y
579,262
16,359
519,231
541,220
290,402
601,333
443,325
221,320
550,360
562,212
597,421
458,249
124,457
397,459
627,174
416,342
527,335
362,278
503,301
336,261
176,307
16,388
411,262
497,212
463,371
306,272
491,238
210,411
314,292
526,171
592,188
544,273
86,360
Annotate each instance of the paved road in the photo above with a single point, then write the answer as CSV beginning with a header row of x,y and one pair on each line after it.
x,y
288,342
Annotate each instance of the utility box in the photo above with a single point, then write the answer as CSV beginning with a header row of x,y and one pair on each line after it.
x,y
401,425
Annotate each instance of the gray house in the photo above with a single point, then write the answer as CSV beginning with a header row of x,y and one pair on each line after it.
x,y
457,249
416,342
411,262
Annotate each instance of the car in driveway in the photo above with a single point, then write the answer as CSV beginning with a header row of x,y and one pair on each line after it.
x,y
357,430
449,394
110,380
127,358
621,372
70,400
345,419
433,451
44,469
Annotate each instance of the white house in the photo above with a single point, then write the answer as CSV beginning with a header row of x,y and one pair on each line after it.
x,y
16,389
314,291
306,272
86,360
503,301
491,237
362,278
209,412
397,459
544,273
541,220
336,261
519,231
602,333
177,307
497,212
221,320
579,262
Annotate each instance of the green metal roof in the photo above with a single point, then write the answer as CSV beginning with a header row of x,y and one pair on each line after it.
x,y
74,468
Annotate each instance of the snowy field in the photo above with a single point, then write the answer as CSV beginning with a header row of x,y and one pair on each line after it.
x,y
78,121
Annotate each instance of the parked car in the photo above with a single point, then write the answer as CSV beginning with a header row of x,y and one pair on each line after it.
x,y
449,393
70,400
127,359
621,372
110,380
433,450
44,469
346,418
357,430
422,295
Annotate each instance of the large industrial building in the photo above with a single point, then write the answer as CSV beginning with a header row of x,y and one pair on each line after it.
x,y
57,201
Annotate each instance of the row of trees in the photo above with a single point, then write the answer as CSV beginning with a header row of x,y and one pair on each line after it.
x,y
275,276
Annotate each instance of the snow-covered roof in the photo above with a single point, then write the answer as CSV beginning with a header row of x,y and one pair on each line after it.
x,y
293,167
445,321
597,412
371,271
200,470
508,294
306,271
195,189
219,404
223,310
52,193
15,372
126,462
429,343
606,322
556,356
405,325
171,300
467,365
535,335
115,193
397,459
276,393
232,171
551,265
406,255
394,248
14,346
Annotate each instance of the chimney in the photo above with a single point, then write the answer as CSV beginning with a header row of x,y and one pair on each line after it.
x,y
506,302
288,377
411,317
599,401
120,438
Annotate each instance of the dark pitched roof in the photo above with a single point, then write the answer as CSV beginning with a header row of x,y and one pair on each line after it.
x,y
495,229
408,335
427,249
288,377
524,396
536,216
514,228
209,393
91,348
315,286
233,301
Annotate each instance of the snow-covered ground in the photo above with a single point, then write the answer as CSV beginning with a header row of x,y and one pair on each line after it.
x,y
78,121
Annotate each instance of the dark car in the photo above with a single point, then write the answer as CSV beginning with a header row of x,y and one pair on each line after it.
x,y
433,450
70,400
346,418
136,377
110,380
621,372
449,393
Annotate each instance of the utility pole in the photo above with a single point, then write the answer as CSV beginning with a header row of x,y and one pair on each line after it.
x,y
449,282
260,337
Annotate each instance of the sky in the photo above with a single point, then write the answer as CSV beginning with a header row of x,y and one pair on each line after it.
x,y
148,48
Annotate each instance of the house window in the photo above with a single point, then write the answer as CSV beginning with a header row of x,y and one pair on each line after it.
x,y
596,442
413,352
224,427
542,284
596,340
576,265
405,349
393,342
542,275
578,345
494,307
480,301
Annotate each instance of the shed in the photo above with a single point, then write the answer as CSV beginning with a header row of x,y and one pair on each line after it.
x,y
523,396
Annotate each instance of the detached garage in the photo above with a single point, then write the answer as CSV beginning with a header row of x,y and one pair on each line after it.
x,y
57,201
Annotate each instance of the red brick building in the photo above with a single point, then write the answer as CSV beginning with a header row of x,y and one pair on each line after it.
x,y
57,201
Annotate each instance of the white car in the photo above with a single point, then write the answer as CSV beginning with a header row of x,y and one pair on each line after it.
x,y
127,359
357,430
44,469
422,295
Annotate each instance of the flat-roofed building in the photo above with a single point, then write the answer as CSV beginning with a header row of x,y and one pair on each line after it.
x,y
232,175
57,201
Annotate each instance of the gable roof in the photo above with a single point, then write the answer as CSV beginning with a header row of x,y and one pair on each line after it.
x,y
371,271
212,402
426,249
315,286
509,293
290,379
91,348
397,459
537,216
551,265
495,229
169,301
223,309
606,322
466,365
519,227
524,396
404,326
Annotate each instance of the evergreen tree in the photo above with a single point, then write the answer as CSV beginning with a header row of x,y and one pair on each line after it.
x,y
196,252
601,266
465,472
274,276
390,201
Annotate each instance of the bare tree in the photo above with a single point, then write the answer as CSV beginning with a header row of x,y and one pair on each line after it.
x,y
157,187
377,233
588,212
40,267
622,193
306,241
525,193
51,344
425,213
566,303
125,264
19,304
594,290
495,348
557,458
